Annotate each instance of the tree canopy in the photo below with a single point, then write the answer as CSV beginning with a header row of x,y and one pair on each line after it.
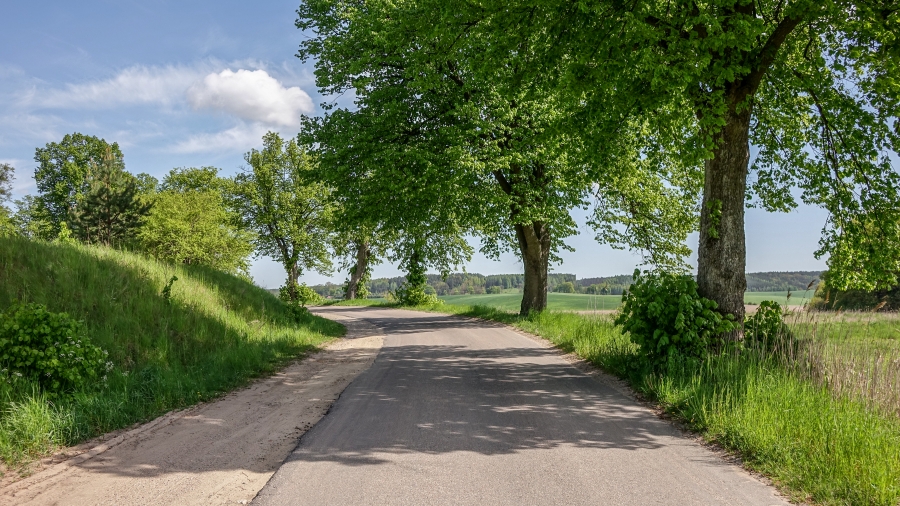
x,y
287,210
109,211
669,96
194,227
62,172
432,129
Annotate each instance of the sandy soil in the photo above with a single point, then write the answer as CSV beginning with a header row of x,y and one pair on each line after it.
x,y
221,452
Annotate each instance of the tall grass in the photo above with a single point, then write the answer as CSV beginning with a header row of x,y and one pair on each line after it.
x,y
855,355
213,334
802,413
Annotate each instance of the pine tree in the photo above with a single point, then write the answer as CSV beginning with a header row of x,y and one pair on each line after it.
x,y
111,210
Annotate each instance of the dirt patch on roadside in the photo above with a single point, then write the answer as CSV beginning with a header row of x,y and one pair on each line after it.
x,y
222,452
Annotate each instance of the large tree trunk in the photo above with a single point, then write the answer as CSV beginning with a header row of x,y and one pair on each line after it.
x,y
722,254
358,271
534,244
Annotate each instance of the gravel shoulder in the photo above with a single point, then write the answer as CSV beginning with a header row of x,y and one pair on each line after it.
x,y
222,452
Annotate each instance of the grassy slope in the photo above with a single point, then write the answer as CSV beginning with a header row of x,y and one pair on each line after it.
x,y
815,445
216,333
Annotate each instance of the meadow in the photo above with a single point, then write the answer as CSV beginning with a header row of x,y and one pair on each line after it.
x,y
214,333
585,302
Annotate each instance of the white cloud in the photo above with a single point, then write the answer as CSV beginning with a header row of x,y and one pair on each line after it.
x,y
16,127
252,95
240,138
134,85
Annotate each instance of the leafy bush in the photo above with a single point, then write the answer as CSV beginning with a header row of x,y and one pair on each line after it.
x,y
766,327
415,295
49,349
303,295
668,319
566,287
495,290
414,291
307,295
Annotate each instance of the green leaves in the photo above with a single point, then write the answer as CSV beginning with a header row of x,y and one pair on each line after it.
x,y
110,210
278,198
667,318
49,349
194,227
63,170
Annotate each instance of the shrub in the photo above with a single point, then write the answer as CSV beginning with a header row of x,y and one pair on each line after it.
x,y
307,295
495,290
766,327
415,295
566,287
668,319
49,349
304,295
414,291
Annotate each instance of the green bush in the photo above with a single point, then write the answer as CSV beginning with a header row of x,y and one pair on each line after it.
x,y
565,287
668,319
415,295
48,349
766,327
414,292
304,295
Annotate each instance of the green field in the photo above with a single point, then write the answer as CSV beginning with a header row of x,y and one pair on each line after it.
x,y
582,302
558,301
796,299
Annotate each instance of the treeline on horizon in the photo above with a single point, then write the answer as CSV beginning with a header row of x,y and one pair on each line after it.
x,y
462,283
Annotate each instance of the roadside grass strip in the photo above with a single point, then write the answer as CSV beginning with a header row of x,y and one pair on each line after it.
x,y
816,444
212,334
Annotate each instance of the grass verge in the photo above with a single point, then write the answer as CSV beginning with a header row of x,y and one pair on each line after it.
x,y
215,333
817,444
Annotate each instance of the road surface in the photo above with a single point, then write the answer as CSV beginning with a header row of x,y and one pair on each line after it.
x,y
458,411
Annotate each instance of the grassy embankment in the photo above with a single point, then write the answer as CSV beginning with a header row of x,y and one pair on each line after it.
x,y
217,332
820,417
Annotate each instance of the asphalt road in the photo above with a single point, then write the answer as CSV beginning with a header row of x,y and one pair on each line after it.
x,y
455,411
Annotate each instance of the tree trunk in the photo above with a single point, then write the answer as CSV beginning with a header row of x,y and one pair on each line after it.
x,y
722,255
293,276
358,271
534,244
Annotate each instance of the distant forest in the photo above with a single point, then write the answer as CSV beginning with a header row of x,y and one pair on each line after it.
x,y
471,283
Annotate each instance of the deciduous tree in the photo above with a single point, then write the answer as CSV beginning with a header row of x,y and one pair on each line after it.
x,y
194,227
277,198
62,172
485,147
7,227
810,84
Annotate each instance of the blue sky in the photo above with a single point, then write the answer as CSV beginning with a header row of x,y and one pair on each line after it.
x,y
194,83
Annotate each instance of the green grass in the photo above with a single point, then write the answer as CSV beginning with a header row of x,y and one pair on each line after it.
x,y
555,301
795,299
584,302
816,443
217,333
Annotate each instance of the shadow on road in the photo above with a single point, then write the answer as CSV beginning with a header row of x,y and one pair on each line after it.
x,y
445,384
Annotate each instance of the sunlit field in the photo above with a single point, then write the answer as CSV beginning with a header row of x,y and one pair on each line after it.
x,y
584,302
